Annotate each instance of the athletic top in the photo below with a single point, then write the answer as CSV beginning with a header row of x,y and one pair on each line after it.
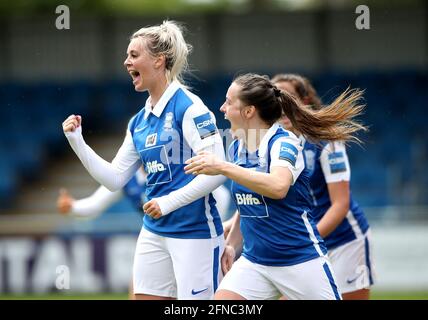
x,y
276,232
328,163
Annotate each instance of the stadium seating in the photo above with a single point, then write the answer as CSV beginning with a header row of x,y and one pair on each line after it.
x,y
392,157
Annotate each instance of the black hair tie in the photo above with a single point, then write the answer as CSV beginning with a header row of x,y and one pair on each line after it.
x,y
277,92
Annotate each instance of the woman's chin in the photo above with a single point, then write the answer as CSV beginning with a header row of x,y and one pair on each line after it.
x,y
139,88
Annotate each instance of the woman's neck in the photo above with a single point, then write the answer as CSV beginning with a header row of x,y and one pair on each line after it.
x,y
254,135
157,91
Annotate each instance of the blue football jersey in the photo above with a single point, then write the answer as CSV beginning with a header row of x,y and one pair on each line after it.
x,y
165,137
276,232
328,163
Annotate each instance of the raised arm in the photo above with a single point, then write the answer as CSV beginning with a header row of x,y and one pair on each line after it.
x,y
112,175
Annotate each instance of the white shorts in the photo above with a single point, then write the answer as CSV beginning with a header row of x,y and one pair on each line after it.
x,y
310,280
353,264
177,268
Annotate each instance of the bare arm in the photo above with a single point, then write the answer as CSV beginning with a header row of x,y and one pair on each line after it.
x,y
234,244
339,197
274,184
337,173
234,239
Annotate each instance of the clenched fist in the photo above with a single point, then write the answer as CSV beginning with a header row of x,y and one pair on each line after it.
x,y
71,123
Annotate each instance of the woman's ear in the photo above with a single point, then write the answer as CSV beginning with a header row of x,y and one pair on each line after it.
x,y
249,112
159,61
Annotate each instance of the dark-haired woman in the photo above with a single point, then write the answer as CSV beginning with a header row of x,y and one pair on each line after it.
x,y
283,253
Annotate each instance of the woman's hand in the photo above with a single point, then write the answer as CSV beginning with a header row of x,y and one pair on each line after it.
x,y
72,123
227,259
227,226
204,163
152,209
64,202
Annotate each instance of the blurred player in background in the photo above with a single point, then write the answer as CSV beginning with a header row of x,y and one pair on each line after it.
x,y
134,191
340,220
102,198
180,245
283,252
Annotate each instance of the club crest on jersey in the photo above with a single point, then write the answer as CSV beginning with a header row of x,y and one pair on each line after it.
x,y
310,159
288,152
169,117
336,161
151,139
205,125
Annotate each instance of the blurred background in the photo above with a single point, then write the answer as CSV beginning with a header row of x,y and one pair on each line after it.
x,y
48,73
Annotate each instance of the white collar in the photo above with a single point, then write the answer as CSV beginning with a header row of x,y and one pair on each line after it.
x,y
161,104
262,149
265,141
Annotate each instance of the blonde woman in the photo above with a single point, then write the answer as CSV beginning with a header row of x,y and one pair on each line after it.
x,y
179,248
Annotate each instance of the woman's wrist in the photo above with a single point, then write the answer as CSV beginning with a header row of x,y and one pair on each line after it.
x,y
224,168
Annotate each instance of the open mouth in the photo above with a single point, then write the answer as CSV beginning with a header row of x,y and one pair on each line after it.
x,y
135,76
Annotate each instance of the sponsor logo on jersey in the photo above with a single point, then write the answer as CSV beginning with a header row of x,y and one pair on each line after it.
x,y
336,161
246,199
205,125
169,117
151,139
288,152
154,167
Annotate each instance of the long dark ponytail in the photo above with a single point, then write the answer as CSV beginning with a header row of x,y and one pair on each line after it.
x,y
333,122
